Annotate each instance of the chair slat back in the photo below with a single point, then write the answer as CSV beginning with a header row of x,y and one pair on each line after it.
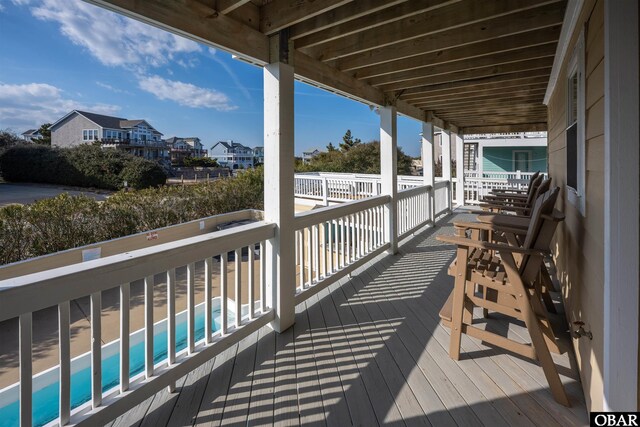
x,y
541,189
532,190
541,227
531,179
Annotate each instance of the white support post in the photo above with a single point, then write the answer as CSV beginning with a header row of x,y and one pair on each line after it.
x,y
389,171
445,139
325,192
621,210
278,184
480,161
428,166
459,169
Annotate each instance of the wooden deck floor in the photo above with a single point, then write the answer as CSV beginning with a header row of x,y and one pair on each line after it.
x,y
370,351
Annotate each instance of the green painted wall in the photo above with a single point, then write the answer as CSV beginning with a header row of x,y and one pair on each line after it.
x,y
500,159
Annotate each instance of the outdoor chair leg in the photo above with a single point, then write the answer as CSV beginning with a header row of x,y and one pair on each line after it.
x,y
458,303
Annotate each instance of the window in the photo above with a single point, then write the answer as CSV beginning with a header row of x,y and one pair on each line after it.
x,y
522,160
575,130
90,134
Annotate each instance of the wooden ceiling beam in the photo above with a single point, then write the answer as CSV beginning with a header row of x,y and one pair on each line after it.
x,y
503,26
542,51
376,18
516,127
523,76
450,103
349,13
466,52
228,6
279,14
531,64
474,92
457,15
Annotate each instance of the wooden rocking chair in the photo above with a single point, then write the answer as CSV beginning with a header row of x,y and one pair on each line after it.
x,y
509,287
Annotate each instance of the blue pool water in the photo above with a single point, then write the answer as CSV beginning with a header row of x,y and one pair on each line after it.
x,y
45,400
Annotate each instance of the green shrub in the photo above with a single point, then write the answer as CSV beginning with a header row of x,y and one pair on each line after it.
x,y
65,222
82,166
200,162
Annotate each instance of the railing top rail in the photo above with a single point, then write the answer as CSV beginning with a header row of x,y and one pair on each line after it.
x,y
40,290
316,216
408,192
441,184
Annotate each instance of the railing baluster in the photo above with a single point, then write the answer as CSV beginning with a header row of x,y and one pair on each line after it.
x,y
348,230
358,247
316,258
191,310
96,349
148,326
302,254
250,283
238,277
307,232
171,321
125,297
343,238
64,346
263,278
26,370
331,231
208,271
223,293
323,248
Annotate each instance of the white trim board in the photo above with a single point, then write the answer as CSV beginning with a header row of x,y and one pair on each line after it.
x,y
574,7
621,207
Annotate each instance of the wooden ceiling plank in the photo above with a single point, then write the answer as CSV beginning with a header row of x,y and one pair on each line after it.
x,y
477,94
351,13
456,102
457,15
228,6
503,26
279,14
524,76
542,51
470,51
475,91
516,127
531,64
375,17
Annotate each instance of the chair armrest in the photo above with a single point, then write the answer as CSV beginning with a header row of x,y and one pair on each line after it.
x,y
517,209
506,196
490,227
500,247
502,220
509,191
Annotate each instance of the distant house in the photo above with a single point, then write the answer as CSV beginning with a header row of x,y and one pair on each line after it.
x,y
181,148
137,137
31,135
232,155
310,154
493,154
258,155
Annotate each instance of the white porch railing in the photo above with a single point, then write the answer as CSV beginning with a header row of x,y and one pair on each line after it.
x,y
23,295
477,187
328,187
413,209
331,242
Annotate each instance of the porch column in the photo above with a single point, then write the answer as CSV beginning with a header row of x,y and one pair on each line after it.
x,y
445,137
389,171
621,210
278,185
428,165
480,157
459,169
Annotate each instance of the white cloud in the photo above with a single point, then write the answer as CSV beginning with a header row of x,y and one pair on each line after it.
x,y
29,105
111,38
186,94
112,88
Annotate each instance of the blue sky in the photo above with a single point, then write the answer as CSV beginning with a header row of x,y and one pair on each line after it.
x,y
60,55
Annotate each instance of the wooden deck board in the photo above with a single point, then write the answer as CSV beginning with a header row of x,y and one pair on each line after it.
x,y
370,350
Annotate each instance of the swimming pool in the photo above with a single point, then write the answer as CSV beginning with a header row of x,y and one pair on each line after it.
x,y
46,389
